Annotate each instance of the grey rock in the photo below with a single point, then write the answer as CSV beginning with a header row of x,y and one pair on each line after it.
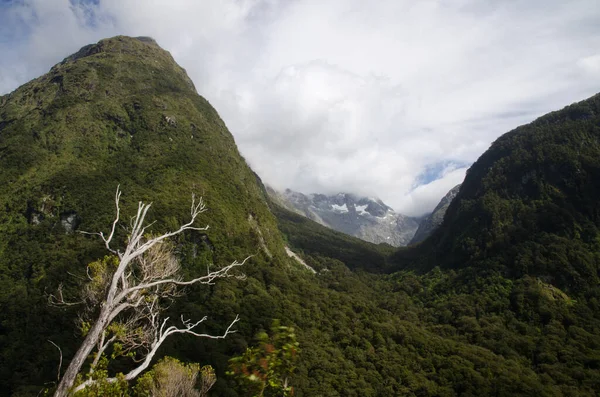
x,y
36,218
69,221
366,218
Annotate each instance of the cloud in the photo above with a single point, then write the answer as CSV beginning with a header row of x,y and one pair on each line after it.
x,y
590,65
428,195
344,95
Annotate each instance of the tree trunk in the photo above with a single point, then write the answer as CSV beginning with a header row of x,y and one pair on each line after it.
x,y
82,353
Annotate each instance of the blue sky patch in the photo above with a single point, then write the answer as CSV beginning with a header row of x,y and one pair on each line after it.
x,y
435,171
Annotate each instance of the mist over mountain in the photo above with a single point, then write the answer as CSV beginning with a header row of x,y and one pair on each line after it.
x,y
369,219
432,221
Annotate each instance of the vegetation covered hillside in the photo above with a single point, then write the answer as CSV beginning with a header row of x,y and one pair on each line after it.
x,y
451,316
520,249
117,112
531,204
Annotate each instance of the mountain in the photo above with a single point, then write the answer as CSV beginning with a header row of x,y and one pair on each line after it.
x,y
366,218
318,241
502,299
122,112
119,112
530,205
432,221
520,246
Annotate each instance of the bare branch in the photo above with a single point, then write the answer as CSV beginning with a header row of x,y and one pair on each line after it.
x,y
123,306
156,345
129,299
189,328
101,348
173,330
207,279
108,239
59,299
59,362
114,224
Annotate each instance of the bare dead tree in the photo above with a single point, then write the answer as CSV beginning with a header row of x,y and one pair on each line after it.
x,y
126,293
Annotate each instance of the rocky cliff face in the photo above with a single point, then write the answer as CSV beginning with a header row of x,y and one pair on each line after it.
x,y
435,219
363,217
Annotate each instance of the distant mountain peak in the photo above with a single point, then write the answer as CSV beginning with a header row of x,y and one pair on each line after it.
x,y
367,218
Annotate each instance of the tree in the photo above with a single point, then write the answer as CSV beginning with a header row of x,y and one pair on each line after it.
x,y
265,370
126,294
172,378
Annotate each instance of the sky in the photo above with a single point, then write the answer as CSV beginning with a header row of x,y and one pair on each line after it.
x,y
391,98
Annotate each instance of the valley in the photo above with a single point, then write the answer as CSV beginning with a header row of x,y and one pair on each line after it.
x,y
496,293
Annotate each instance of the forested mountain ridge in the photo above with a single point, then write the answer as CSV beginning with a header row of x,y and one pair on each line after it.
x,y
439,319
531,204
119,112
520,244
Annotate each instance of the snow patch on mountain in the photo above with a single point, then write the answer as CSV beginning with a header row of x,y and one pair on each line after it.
x,y
340,208
360,209
367,218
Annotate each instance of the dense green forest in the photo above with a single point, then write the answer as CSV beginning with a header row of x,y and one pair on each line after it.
x,y
502,300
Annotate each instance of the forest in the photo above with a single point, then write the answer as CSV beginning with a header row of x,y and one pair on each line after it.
x,y
503,299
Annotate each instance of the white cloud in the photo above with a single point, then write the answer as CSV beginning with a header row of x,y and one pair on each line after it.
x,y
590,65
345,95
429,195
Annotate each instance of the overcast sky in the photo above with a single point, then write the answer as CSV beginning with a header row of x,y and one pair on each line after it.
x,y
385,98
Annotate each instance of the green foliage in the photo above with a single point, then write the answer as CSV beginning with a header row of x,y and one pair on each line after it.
x,y
265,370
502,300
100,273
102,387
171,378
529,205
67,139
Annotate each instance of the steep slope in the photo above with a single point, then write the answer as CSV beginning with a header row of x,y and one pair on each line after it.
x,y
117,112
363,217
515,266
432,221
122,111
531,204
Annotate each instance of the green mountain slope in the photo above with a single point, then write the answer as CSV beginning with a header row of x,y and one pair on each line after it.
x,y
122,112
117,112
531,204
518,255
